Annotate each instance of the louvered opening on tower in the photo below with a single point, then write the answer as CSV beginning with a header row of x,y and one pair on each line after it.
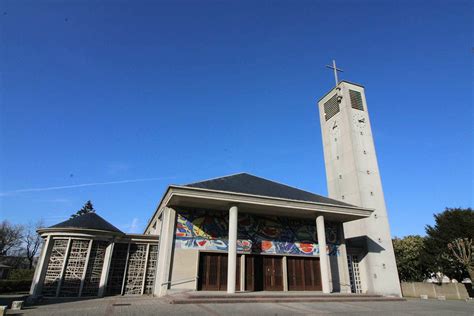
x,y
331,107
356,100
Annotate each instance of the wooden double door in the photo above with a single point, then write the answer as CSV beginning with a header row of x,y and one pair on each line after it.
x,y
262,273
213,272
304,274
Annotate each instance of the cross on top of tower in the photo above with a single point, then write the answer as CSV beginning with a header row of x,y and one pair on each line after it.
x,y
334,67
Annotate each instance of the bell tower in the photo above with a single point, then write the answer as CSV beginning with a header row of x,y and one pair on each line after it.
x,y
352,175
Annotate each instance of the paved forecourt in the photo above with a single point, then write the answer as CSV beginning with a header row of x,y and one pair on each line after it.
x,y
141,306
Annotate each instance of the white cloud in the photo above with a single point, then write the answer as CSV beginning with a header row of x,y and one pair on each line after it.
x,y
133,226
6,193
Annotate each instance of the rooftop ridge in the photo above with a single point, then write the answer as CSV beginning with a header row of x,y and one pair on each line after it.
x,y
88,221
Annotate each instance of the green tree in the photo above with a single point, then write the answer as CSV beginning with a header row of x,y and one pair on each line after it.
x,y
407,254
452,224
87,208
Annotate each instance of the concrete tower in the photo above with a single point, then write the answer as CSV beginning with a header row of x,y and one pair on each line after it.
x,y
353,176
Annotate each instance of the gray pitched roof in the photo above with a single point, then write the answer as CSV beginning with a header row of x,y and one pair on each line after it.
x,y
250,184
88,221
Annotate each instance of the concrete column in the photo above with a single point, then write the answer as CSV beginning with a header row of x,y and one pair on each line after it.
x,y
41,267
167,233
145,268
104,277
343,266
323,257
125,271
242,273
86,264
285,273
232,252
63,269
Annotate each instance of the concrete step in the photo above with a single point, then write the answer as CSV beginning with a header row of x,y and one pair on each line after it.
x,y
195,299
256,295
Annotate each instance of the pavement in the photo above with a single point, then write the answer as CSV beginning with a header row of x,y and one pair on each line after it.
x,y
142,306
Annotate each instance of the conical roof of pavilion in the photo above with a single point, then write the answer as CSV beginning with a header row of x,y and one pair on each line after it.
x,y
88,221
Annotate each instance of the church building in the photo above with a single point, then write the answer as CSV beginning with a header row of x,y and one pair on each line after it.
x,y
241,232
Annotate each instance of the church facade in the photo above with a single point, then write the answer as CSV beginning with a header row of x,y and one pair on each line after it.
x,y
241,232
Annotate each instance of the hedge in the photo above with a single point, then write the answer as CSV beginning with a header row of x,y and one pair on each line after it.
x,y
21,274
8,286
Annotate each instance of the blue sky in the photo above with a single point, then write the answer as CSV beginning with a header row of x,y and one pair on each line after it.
x,y
180,91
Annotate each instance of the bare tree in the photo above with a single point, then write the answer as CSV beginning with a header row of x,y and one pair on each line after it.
x,y
32,241
10,237
463,250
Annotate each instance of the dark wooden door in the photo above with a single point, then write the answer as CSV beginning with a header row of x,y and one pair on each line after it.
x,y
253,273
304,274
213,272
272,273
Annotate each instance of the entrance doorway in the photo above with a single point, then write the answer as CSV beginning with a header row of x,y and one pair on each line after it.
x,y
262,273
272,273
213,272
304,274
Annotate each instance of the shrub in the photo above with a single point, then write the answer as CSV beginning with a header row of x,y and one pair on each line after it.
x,y
21,274
9,286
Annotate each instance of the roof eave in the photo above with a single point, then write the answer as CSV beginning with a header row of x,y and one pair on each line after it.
x,y
48,230
179,196
158,207
172,190
270,197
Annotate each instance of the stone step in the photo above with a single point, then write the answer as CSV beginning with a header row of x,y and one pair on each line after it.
x,y
272,299
242,295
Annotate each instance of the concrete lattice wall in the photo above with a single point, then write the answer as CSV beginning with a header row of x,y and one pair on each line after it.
x,y
452,291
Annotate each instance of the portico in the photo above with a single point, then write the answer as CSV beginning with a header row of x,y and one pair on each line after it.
x,y
219,238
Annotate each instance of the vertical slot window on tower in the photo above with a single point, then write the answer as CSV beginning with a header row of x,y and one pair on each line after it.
x,y
331,107
356,100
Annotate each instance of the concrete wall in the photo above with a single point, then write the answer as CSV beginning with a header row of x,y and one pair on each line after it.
x,y
452,291
184,269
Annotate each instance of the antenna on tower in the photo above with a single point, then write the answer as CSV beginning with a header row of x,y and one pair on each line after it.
x,y
334,67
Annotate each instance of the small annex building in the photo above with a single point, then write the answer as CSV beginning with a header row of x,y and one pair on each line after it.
x,y
234,233
86,256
